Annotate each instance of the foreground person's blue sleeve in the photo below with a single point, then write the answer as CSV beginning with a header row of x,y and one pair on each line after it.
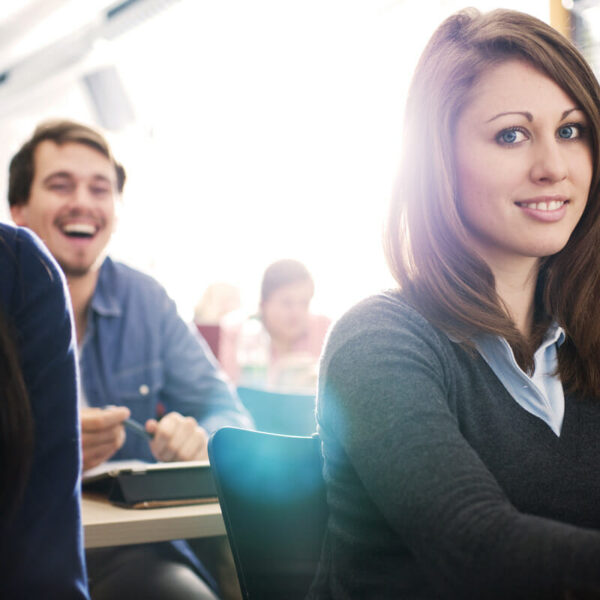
x,y
41,551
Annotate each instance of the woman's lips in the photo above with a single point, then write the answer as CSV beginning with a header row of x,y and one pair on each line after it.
x,y
547,210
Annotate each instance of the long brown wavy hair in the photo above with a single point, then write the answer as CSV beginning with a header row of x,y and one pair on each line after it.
x,y
426,242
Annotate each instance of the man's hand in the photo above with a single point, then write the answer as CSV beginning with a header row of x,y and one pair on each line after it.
x,y
177,438
102,433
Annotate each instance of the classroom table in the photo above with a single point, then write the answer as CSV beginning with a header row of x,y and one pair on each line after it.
x,y
105,524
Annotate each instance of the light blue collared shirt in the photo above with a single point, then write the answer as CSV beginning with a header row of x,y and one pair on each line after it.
x,y
541,394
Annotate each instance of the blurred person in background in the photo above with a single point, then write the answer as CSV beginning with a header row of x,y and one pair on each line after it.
x,y
219,299
279,347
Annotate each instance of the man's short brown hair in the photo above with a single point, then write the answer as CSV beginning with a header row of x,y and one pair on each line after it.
x,y
21,169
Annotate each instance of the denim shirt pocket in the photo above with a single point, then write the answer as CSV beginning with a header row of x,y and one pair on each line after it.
x,y
138,388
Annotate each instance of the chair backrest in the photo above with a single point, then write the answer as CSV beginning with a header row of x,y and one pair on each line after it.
x,y
275,412
272,497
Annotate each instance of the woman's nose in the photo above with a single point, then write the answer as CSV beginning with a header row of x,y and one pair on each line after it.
x,y
549,164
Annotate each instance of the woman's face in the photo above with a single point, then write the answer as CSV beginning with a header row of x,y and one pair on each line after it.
x,y
285,311
523,163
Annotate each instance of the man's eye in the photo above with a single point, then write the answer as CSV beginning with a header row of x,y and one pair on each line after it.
x,y
510,136
99,191
59,187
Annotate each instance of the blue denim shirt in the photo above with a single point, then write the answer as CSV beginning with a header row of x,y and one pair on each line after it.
x,y
138,352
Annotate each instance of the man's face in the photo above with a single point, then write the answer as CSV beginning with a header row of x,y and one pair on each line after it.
x,y
71,205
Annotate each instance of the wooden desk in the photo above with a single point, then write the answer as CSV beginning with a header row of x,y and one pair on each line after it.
x,y
105,524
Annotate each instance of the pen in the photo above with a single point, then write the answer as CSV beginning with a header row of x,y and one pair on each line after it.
x,y
137,428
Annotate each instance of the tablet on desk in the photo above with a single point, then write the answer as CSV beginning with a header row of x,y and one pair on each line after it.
x,y
137,484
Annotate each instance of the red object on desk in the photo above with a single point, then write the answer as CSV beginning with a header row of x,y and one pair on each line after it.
x,y
211,334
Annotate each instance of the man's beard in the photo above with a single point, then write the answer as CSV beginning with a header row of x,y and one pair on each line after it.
x,y
74,272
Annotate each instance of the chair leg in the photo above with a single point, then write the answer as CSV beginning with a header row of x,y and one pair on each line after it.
x,y
215,554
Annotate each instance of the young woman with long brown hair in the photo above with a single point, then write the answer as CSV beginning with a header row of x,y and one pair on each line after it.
x,y
460,414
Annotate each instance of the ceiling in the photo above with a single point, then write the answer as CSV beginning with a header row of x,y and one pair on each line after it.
x,y
41,37
27,25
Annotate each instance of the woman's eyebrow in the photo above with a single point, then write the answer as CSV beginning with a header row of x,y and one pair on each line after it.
x,y
524,113
569,111
528,115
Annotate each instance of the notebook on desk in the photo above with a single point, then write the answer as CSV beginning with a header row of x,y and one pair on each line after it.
x,y
136,484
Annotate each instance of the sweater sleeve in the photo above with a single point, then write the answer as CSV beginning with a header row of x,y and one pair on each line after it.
x,y
46,552
383,399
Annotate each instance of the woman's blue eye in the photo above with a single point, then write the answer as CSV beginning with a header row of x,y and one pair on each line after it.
x,y
510,136
568,132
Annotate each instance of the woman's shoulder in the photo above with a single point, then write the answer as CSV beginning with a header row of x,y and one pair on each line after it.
x,y
383,325
319,321
20,245
389,310
318,326
13,237
27,266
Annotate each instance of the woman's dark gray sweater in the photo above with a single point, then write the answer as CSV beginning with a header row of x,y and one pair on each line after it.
x,y
440,485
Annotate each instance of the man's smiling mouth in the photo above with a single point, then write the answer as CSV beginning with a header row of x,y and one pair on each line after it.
x,y
79,230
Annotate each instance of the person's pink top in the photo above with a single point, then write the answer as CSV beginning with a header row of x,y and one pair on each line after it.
x,y
303,356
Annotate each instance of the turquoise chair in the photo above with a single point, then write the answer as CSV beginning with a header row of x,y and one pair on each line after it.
x,y
272,497
275,412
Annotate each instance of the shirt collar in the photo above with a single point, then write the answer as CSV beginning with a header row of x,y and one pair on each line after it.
x,y
540,393
104,300
554,335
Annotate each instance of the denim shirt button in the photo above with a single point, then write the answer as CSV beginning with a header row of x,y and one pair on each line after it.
x,y
144,389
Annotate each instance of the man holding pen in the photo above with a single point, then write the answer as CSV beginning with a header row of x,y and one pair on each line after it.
x,y
138,359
